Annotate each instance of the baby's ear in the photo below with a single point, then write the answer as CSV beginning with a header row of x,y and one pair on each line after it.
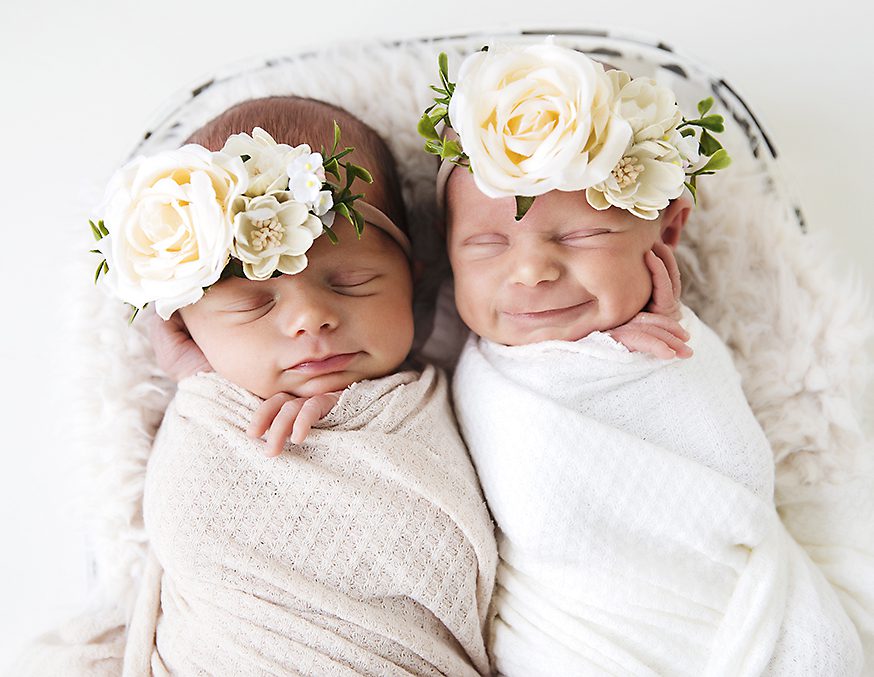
x,y
673,219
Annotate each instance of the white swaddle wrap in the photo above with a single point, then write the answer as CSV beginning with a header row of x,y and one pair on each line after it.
x,y
637,529
367,550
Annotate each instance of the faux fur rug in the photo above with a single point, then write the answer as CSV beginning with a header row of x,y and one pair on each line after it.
x,y
797,327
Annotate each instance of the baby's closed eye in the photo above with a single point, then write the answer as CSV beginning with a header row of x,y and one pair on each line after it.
x,y
583,236
354,283
486,239
249,304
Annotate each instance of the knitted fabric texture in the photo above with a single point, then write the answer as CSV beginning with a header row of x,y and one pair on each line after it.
x,y
368,550
637,528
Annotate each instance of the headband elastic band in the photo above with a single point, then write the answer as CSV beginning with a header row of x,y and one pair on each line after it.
x,y
377,218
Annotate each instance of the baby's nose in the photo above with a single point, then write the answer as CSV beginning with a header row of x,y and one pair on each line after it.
x,y
311,316
532,266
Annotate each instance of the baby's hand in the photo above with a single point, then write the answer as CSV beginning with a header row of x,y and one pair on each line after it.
x,y
177,353
666,286
656,330
289,416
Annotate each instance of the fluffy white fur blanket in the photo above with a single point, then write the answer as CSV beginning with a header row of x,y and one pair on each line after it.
x,y
796,324
638,533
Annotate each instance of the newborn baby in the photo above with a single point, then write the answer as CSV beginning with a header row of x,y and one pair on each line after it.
x,y
286,565
633,494
367,549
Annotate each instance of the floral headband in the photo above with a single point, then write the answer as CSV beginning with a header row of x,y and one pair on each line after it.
x,y
179,221
529,119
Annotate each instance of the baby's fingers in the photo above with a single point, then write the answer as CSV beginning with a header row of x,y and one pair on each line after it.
x,y
266,413
282,426
663,322
665,282
310,412
652,340
669,260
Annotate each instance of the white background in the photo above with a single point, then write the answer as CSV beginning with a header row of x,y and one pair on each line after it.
x,y
80,82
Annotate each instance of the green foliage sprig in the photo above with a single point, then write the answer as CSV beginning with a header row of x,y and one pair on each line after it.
x,y
707,143
445,149
344,198
99,231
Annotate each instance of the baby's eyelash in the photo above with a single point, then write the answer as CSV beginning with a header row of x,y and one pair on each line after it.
x,y
347,283
582,234
249,307
489,239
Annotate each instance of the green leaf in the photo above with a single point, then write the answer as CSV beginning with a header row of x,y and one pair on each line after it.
x,y
715,123
99,270
343,211
336,138
451,149
358,221
434,147
332,167
443,66
426,127
332,236
356,170
523,204
102,228
687,132
719,160
691,187
705,105
709,145
133,315
95,231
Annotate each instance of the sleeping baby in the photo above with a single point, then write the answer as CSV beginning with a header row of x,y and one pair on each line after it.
x,y
369,550
633,495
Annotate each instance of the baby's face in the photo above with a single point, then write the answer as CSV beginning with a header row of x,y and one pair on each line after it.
x,y
346,317
562,272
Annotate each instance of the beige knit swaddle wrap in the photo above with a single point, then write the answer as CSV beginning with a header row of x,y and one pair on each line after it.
x,y
368,550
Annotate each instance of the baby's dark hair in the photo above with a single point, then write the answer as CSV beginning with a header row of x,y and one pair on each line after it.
x,y
295,120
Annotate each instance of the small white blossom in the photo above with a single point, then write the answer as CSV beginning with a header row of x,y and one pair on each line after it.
x,y
305,187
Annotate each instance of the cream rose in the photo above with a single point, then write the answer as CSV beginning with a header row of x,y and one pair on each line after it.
x,y
649,108
266,161
643,182
169,223
536,118
273,235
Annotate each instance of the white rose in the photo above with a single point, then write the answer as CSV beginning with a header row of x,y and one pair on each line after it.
x,y
536,118
273,235
267,160
170,230
644,181
649,108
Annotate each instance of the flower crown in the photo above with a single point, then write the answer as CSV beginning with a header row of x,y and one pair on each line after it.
x,y
179,221
530,119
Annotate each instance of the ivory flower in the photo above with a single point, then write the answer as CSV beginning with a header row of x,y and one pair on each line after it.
x,y
273,235
649,108
169,222
306,176
536,118
267,160
645,180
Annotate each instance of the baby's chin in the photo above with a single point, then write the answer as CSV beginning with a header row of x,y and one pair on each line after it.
x,y
520,337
